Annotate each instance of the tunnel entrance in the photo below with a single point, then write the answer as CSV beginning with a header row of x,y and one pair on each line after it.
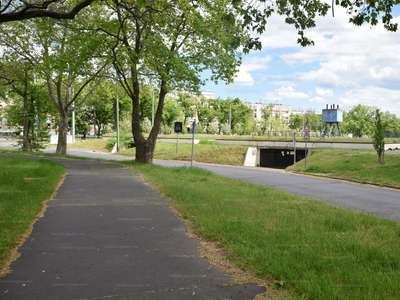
x,y
279,158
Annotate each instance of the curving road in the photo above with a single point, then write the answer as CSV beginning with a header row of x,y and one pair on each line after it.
x,y
381,202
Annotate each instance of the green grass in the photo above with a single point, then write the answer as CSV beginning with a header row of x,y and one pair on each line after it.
x,y
24,184
319,251
360,165
206,152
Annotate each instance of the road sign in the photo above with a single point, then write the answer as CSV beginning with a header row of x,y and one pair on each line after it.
x,y
306,136
48,120
48,115
306,129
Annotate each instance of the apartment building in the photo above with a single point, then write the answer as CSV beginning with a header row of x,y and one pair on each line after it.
x,y
278,111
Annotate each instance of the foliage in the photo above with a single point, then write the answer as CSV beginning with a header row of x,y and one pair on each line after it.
x,y
313,120
146,125
212,128
125,138
238,129
178,40
378,138
359,120
225,129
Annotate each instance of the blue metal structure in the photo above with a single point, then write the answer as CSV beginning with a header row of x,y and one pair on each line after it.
x,y
332,117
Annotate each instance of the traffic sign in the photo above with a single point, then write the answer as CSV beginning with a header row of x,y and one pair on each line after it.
x,y
48,115
48,120
306,136
306,129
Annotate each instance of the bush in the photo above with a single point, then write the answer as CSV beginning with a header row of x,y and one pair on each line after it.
x,y
225,129
125,138
212,128
238,129
146,125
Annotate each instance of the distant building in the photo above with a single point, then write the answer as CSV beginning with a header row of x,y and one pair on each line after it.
x,y
205,94
279,110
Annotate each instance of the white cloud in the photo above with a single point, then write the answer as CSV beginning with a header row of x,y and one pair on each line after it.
x,y
251,64
290,93
285,92
244,78
318,100
323,92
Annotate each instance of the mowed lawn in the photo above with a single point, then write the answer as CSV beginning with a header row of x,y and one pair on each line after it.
x,y
359,165
306,246
24,185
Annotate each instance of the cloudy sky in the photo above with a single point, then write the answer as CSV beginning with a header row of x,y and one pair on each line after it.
x,y
348,65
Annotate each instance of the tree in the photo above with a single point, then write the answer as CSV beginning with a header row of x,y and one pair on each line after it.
x,y
170,114
14,10
378,138
267,113
69,59
295,122
187,106
302,14
313,120
18,76
359,120
172,42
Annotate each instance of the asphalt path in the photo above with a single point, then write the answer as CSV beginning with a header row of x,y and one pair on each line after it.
x,y
380,202
107,234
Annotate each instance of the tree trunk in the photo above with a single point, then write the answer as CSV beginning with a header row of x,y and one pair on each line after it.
x,y
26,140
145,151
145,148
62,135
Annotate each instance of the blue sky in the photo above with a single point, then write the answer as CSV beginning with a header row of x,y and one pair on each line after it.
x,y
348,65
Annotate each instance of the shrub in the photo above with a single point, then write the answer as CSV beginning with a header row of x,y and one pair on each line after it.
x,y
212,128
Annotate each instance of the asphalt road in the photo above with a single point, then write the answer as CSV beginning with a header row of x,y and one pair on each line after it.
x,y
381,202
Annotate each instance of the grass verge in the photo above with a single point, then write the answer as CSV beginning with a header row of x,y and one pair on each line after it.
x,y
203,152
320,251
352,164
24,184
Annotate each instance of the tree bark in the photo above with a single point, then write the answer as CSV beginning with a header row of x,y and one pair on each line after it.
x,y
26,140
62,134
145,148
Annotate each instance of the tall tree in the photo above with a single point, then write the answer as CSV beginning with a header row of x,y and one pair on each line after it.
x,y
69,59
173,42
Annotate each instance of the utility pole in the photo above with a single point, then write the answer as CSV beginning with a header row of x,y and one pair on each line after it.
x,y
193,128
117,105
230,116
152,108
73,116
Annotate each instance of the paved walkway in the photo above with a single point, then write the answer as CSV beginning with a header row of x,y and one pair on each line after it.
x,y
108,234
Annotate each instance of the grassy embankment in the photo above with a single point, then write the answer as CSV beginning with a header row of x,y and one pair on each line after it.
x,y
358,165
319,251
205,151
24,184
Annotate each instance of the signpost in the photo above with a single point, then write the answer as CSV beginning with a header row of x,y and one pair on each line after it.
x,y
177,129
48,120
306,137
193,130
294,146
